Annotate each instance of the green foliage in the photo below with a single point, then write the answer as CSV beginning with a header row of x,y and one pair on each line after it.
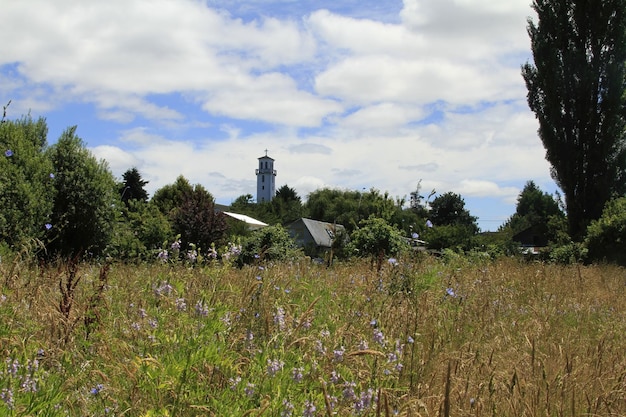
x,y
196,220
271,243
140,231
132,188
570,253
348,208
453,236
576,90
287,205
606,237
377,239
449,209
172,196
26,181
86,200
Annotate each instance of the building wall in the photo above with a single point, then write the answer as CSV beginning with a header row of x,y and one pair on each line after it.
x,y
265,180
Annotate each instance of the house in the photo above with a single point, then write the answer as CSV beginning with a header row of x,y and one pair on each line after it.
x,y
314,236
532,239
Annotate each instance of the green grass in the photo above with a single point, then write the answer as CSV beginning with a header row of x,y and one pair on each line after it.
x,y
513,339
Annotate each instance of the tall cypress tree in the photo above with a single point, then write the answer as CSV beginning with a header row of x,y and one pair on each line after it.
x,y
576,90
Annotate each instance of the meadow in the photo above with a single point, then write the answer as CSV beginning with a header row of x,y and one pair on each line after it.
x,y
421,337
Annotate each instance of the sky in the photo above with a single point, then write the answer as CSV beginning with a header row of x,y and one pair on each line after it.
x,y
347,94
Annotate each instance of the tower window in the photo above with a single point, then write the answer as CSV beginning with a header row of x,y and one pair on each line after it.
x,y
262,178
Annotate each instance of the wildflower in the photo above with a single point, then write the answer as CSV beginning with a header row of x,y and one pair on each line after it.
x,y
379,337
410,340
6,395
249,335
334,377
201,309
13,366
153,323
51,176
279,318
309,409
348,391
176,245
472,401
234,382
249,390
296,374
181,305
450,292
48,226
96,390
226,319
192,255
319,346
288,408
273,366
363,345
8,153
338,354
392,261
164,288
163,255
142,313
136,326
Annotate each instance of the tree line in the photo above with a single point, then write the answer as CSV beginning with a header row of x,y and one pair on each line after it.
x,y
64,202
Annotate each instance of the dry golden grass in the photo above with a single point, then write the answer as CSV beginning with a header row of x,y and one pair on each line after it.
x,y
513,339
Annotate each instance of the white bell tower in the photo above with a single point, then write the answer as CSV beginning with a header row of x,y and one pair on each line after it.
x,y
265,179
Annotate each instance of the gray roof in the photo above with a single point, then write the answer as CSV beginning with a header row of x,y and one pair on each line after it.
x,y
323,233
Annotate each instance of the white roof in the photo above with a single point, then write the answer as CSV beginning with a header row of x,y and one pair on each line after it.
x,y
253,224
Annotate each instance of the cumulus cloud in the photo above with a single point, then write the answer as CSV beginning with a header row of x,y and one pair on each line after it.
x,y
352,94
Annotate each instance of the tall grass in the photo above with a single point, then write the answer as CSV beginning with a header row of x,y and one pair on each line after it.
x,y
420,338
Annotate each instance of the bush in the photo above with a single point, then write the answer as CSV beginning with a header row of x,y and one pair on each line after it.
x,y
606,237
568,254
271,243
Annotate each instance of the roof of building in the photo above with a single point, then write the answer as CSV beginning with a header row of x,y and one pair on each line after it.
x,y
253,224
323,233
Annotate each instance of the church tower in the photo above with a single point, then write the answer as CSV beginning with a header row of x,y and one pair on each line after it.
x,y
265,179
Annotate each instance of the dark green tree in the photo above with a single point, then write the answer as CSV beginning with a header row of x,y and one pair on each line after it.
x,y
171,196
449,209
576,90
26,181
287,205
453,225
132,187
534,209
196,220
86,201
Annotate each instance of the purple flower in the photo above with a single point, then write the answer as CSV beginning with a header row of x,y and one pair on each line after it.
x,y
393,261
296,374
309,409
181,305
249,390
288,410
379,337
8,153
96,390
51,176
273,366
6,395
338,354
48,226
450,292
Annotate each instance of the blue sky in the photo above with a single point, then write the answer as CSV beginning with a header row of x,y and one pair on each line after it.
x,y
347,94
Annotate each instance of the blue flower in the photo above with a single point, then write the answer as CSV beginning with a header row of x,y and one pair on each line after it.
x,y
96,390
8,153
51,175
48,226
450,292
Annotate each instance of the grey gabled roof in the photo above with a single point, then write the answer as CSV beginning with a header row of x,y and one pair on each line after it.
x,y
323,233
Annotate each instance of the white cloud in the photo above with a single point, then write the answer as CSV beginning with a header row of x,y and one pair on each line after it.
x,y
433,92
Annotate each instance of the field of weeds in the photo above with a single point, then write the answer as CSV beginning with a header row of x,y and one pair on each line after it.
x,y
419,338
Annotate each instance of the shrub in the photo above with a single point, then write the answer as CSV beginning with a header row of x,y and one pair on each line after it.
x,y
271,243
606,237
